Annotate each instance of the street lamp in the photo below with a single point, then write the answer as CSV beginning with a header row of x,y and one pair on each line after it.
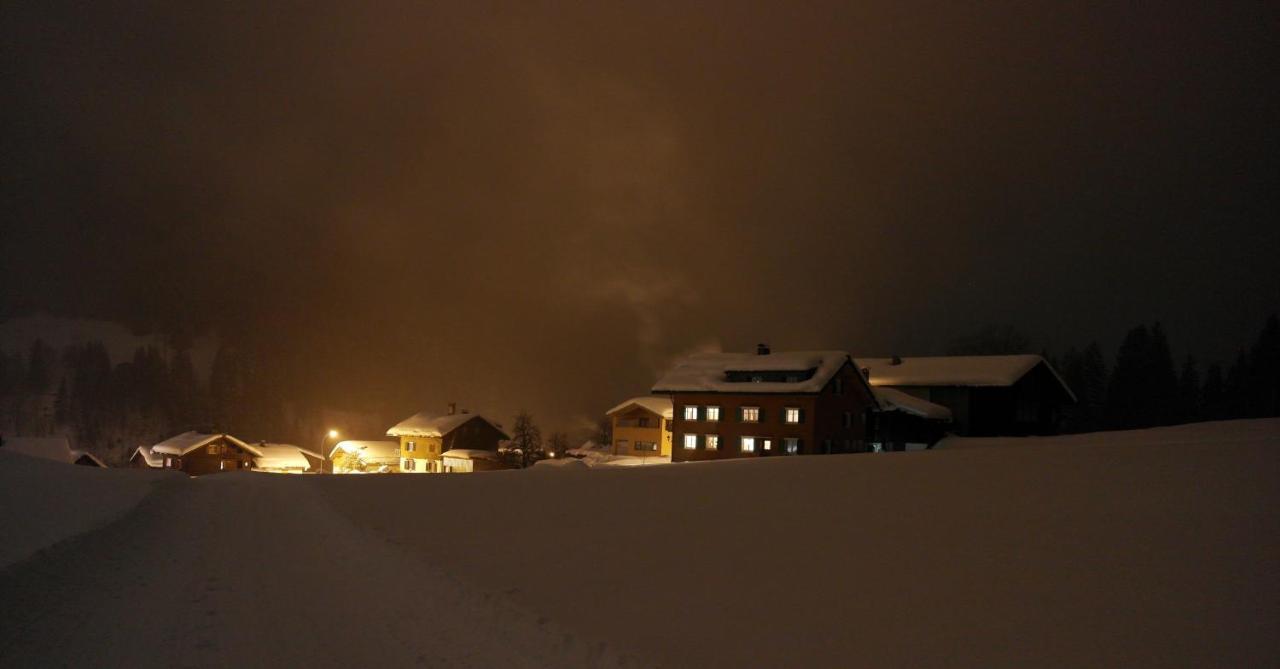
x,y
324,455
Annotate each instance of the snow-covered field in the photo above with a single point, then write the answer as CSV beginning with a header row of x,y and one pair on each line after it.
x,y
1146,548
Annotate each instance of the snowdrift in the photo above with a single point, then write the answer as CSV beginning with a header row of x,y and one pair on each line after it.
x,y
43,502
1101,550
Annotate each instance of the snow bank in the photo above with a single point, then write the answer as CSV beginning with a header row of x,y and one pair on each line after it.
x,y
43,502
1222,433
1057,555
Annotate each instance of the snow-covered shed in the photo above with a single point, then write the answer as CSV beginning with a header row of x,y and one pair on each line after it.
x,y
424,438
729,405
199,453
906,422
988,395
365,457
465,460
57,449
284,458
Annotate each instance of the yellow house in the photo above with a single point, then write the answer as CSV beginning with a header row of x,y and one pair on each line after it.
x,y
425,439
365,457
642,427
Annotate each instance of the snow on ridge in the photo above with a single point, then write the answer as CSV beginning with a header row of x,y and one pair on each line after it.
x,y
659,405
892,399
709,372
431,425
186,442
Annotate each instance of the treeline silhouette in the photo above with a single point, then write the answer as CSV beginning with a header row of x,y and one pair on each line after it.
x,y
1144,387
110,409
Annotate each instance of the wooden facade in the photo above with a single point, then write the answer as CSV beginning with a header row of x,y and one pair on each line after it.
x,y
640,431
199,454
1030,406
424,439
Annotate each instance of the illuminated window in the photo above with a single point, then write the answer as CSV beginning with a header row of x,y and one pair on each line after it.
x,y
767,444
691,413
751,414
408,464
748,444
690,441
713,413
713,442
791,415
411,446
215,449
792,445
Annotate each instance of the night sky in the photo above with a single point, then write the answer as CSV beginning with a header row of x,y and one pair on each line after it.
x,y
537,206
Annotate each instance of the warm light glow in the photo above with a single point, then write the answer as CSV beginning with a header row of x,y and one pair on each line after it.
x,y
333,434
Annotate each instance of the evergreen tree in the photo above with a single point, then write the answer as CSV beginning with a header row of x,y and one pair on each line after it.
x,y
1263,379
1125,405
39,368
1190,404
1092,392
1235,389
1213,394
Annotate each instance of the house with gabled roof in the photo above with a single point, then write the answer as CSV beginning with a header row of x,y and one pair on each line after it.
x,y
641,426
739,405
988,395
425,438
144,458
355,456
199,453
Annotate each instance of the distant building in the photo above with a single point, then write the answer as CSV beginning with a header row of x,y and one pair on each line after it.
x,y
735,405
906,422
365,457
144,458
988,395
197,453
642,427
424,438
284,459
57,449
466,460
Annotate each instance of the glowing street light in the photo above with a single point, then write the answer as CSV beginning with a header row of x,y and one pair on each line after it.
x,y
324,440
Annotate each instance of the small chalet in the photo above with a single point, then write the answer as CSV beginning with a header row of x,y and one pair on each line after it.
x,y
365,457
735,405
197,453
425,438
988,395
642,427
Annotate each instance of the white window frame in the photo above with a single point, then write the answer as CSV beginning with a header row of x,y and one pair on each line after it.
x,y
791,412
713,442
755,418
747,445
713,413
791,445
689,442
690,412
766,444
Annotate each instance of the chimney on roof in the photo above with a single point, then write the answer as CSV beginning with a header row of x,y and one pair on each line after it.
x,y
453,408
762,349
897,360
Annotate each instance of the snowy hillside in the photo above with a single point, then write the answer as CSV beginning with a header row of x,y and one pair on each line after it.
x,y
1158,549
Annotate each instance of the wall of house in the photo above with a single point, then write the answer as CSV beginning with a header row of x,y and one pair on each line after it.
x,y
476,433
822,428
626,432
425,456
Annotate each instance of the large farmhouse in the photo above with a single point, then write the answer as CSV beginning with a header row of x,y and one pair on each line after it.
x,y
734,405
425,439
988,395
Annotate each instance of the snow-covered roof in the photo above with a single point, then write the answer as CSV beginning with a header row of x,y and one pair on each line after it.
x,y
892,399
49,448
152,459
369,450
282,456
431,425
955,370
78,454
470,454
732,372
658,405
189,441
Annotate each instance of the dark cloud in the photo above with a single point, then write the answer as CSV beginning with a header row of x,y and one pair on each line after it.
x,y
532,204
